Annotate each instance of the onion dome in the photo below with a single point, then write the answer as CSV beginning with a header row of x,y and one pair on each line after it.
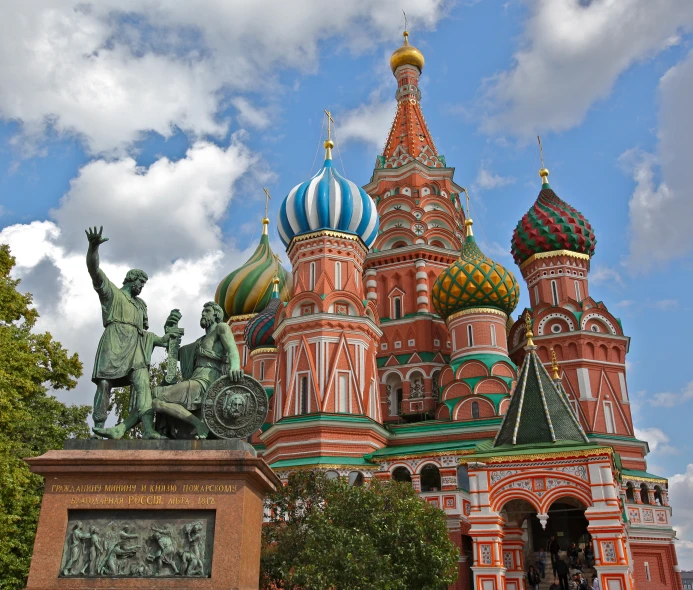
x,y
328,202
248,289
551,224
406,55
474,280
259,329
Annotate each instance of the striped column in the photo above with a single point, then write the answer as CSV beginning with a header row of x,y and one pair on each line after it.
x,y
371,285
421,287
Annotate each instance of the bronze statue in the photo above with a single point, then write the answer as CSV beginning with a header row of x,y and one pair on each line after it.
x,y
124,353
202,363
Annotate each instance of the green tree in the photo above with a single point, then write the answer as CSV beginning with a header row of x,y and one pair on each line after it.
x,y
327,535
31,420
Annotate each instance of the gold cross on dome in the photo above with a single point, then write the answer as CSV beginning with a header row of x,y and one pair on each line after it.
x,y
541,151
267,200
329,120
406,28
466,194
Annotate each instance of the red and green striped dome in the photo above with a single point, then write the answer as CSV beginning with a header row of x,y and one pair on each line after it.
x,y
551,224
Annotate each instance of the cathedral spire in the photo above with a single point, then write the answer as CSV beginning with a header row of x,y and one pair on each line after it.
x,y
409,138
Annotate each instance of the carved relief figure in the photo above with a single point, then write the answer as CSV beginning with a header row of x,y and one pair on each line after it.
x,y
93,553
193,559
117,550
166,549
75,549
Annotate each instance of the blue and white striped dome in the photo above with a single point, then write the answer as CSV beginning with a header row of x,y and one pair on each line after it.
x,y
328,201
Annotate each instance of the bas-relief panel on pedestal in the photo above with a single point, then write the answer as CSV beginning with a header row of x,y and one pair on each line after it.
x,y
111,543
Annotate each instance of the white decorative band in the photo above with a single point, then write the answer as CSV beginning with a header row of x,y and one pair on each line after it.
x,y
371,272
372,284
420,264
371,296
422,287
479,311
422,299
421,275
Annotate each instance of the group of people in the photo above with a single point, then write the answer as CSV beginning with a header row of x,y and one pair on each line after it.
x,y
567,576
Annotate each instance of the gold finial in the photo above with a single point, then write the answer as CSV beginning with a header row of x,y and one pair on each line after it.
x,y
468,220
329,144
528,329
544,172
554,365
265,219
406,29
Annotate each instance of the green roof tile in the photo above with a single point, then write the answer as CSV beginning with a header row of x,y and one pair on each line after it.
x,y
539,412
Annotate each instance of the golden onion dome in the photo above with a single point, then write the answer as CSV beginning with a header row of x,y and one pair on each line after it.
x,y
406,55
474,280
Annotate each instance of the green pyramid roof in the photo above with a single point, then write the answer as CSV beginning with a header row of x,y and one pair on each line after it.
x,y
539,411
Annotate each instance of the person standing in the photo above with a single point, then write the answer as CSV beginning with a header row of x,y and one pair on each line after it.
x,y
573,554
555,585
533,578
589,554
562,573
541,562
595,583
554,550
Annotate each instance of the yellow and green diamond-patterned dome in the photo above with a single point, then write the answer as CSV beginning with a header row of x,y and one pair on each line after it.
x,y
474,280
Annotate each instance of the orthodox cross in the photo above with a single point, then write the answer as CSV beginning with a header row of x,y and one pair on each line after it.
x,y
267,200
329,120
466,194
405,21
541,152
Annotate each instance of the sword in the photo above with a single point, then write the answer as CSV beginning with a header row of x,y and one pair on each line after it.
x,y
171,375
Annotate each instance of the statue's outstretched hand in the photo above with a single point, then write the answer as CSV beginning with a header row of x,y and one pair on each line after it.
x,y
236,376
95,237
173,318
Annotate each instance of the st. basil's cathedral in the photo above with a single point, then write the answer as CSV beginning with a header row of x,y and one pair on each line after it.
x,y
390,351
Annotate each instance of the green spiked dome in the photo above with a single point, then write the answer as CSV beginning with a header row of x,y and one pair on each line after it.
x,y
551,224
248,289
474,280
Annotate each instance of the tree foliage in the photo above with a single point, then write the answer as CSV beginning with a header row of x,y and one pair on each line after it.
x,y
31,420
327,535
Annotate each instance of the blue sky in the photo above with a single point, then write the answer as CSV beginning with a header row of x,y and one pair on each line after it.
x,y
163,122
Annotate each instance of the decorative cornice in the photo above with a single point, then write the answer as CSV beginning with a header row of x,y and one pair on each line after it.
x,y
240,318
322,467
263,350
518,458
474,310
323,233
553,253
391,458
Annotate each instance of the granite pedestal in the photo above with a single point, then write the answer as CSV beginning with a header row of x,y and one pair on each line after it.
x,y
181,515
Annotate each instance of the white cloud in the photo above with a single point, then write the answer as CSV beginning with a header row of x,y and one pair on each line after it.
x,y
570,56
250,115
606,275
680,494
84,69
668,399
660,206
158,214
369,123
657,440
487,180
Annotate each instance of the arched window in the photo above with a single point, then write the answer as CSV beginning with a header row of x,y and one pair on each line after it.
x,y
470,335
338,276
396,190
462,477
401,474
644,493
398,307
536,294
331,474
475,409
554,292
630,494
493,335
399,244
577,291
430,478
311,278
356,479
262,370
659,499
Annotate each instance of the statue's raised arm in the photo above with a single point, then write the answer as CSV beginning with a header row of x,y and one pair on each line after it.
x,y
95,238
